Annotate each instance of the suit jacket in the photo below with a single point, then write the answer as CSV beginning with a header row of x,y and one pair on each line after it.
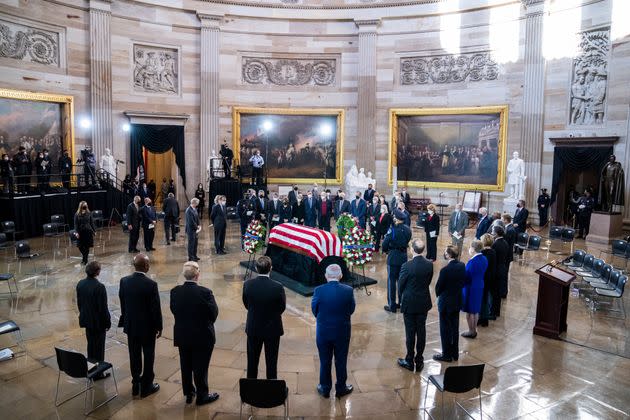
x,y
483,226
460,225
520,219
321,219
133,216
373,211
140,311
383,224
92,303
448,288
148,216
286,213
406,199
333,304
265,302
431,224
273,210
292,196
195,311
341,207
490,277
298,211
170,207
261,208
244,206
218,216
359,210
192,220
413,286
368,195
310,212
510,237
502,250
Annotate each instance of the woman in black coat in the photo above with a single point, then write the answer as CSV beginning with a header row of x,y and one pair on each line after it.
x,y
84,228
490,284
383,223
502,250
286,211
432,229
298,210
200,194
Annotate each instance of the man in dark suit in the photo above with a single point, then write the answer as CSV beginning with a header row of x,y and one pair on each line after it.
x,y
133,224
93,312
170,207
368,195
192,229
218,218
310,210
341,206
149,221
484,222
415,301
502,249
265,302
520,217
406,198
195,311
260,204
333,304
510,236
457,227
448,290
324,212
358,208
395,246
293,195
141,319
273,211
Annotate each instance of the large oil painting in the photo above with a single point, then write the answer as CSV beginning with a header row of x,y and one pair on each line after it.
x,y
459,148
298,145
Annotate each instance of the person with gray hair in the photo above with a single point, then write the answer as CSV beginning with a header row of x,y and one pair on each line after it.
x,y
171,217
192,229
484,222
195,311
333,304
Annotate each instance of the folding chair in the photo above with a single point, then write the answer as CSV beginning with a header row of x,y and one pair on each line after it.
x,y
8,277
8,228
568,236
576,260
616,293
458,380
8,327
60,221
264,393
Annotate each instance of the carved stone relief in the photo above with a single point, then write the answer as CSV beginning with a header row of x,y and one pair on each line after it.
x,y
31,44
449,68
156,69
590,78
289,71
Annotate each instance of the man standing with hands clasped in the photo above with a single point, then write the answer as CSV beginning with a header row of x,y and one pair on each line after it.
x,y
457,227
395,245
192,229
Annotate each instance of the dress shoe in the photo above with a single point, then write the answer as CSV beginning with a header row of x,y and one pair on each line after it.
x,y
441,358
344,391
151,249
482,323
135,389
419,367
404,363
168,243
152,389
196,259
210,398
189,398
320,391
468,334
388,309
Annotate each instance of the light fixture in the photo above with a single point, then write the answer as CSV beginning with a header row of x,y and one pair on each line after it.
x,y
267,125
85,123
325,130
126,127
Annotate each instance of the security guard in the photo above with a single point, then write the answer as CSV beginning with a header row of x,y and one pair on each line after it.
x,y
395,246
246,212
543,206
585,209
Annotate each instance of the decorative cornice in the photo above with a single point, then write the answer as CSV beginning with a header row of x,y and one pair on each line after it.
x,y
367,25
104,6
528,3
209,20
584,141
330,6
160,118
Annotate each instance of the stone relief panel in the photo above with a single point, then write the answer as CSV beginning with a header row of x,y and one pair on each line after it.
x,y
590,78
31,44
450,68
289,71
155,69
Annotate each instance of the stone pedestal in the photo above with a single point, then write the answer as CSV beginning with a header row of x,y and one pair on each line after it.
x,y
605,227
509,205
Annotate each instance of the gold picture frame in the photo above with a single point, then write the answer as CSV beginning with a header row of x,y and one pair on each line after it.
x,y
67,111
501,111
339,113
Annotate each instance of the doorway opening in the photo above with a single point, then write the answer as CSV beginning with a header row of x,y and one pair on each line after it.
x,y
159,166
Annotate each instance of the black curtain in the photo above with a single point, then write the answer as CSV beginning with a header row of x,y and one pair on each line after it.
x,y
576,158
157,139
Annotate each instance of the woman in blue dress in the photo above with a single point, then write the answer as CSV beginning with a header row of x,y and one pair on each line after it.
x,y
472,292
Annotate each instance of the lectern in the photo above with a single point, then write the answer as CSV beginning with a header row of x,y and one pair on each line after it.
x,y
553,301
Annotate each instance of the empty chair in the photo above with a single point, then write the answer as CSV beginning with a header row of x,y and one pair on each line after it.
x,y
75,365
458,380
555,233
8,327
522,241
23,253
264,393
8,277
4,243
615,293
51,231
587,265
534,243
60,221
619,248
8,228
576,260
568,236
595,271
607,280
97,216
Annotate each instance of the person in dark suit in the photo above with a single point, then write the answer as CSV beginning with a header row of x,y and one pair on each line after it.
x,y
93,313
260,205
401,206
299,213
520,217
383,223
432,231
218,218
368,195
501,248
448,290
133,223
395,246
293,195
324,212
333,304
195,311
170,207
192,229
457,225
415,303
273,211
490,285
265,302
509,236
372,214
141,319
341,206
143,192
286,211
246,212
310,210
484,222
358,209
149,221
406,198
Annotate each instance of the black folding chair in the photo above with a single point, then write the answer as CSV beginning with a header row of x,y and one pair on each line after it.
x,y
8,327
522,243
576,260
60,221
616,293
264,393
568,236
51,231
8,277
619,248
8,228
99,219
75,365
458,380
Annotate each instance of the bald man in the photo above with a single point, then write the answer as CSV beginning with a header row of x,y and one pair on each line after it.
x,y
141,319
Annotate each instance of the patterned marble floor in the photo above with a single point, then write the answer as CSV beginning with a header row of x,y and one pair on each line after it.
x,y
526,376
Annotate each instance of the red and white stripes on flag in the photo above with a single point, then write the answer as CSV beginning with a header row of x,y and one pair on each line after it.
x,y
315,243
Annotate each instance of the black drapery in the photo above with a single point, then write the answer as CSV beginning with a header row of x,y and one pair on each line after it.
x,y
576,158
157,139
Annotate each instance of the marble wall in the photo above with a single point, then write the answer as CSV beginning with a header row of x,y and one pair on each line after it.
x,y
366,42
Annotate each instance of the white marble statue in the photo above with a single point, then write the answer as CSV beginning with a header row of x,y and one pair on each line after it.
x,y
108,163
516,176
361,178
371,180
356,180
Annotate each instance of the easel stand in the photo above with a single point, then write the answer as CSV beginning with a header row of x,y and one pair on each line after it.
x,y
250,266
356,282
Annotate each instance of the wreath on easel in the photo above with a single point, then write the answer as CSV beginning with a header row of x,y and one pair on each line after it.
x,y
254,238
358,247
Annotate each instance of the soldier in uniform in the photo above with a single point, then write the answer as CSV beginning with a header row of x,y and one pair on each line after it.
x,y
585,209
395,246
543,206
246,212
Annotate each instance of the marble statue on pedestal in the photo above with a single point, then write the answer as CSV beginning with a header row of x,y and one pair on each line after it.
x,y
516,176
108,163
611,185
356,180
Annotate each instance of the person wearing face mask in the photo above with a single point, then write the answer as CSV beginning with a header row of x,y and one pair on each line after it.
x,y
406,198
520,217
273,211
324,212
395,246
490,285
218,218
457,227
358,209
292,197
342,205
373,212
298,210
149,221
200,195
403,209
383,223
133,224
84,228
23,169
286,211
310,210
368,195
65,169
432,230
40,165
261,206
472,292
6,172
502,250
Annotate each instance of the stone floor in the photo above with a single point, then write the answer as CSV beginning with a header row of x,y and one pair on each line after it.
x,y
526,376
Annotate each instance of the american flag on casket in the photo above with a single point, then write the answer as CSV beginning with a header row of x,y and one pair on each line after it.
x,y
311,242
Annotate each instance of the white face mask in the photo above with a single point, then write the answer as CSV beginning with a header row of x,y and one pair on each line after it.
x,y
223,203
431,212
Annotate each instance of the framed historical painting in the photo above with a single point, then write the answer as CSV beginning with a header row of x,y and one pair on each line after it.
x,y
36,121
299,146
458,148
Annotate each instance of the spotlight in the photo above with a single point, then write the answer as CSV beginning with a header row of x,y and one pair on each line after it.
x,y
126,127
325,130
267,126
85,122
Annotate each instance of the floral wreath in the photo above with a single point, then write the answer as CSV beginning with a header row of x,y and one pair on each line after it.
x,y
345,224
358,247
254,238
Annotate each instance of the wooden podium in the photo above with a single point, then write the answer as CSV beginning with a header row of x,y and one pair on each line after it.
x,y
553,301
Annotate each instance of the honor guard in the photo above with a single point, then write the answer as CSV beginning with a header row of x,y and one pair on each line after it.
x,y
585,209
395,246
543,206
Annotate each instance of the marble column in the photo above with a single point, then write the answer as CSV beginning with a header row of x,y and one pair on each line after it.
x,y
366,105
209,119
101,77
532,130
